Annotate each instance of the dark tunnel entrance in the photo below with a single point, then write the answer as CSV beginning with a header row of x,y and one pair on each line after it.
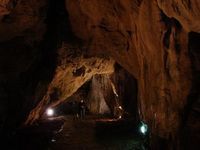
x,y
192,110
111,119
112,95
110,123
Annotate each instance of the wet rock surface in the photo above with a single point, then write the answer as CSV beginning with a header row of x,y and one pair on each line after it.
x,y
155,41
38,136
95,133
92,133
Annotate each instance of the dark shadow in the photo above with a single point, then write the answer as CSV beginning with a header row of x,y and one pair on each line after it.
x,y
191,116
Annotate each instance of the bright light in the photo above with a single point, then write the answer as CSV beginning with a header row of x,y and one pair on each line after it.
x,y
143,128
120,117
120,107
50,112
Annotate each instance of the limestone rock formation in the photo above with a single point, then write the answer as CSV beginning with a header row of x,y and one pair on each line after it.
x,y
151,39
4,10
22,17
100,94
186,11
72,71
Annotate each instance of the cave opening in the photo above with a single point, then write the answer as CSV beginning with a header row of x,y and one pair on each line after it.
x,y
111,113
113,95
191,119
111,119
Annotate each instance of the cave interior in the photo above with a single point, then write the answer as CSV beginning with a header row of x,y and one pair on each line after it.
x,y
134,63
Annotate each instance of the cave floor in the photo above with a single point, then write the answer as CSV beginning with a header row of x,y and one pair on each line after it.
x,y
94,133
67,133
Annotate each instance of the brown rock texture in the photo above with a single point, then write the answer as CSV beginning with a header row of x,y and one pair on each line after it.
x,y
104,93
72,71
22,17
22,28
100,96
185,11
150,40
4,10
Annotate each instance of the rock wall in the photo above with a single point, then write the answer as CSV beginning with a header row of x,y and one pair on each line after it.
x,y
147,37
127,91
22,51
20,18
103,93
100,94
73,70
150,40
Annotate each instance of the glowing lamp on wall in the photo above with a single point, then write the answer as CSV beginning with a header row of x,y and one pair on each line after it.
x,y
50,112
120,107
143,128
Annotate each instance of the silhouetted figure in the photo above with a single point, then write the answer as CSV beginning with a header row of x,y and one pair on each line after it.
x,y
75,110
82,109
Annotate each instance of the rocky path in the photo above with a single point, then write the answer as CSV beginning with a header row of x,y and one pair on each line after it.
x,y
82,135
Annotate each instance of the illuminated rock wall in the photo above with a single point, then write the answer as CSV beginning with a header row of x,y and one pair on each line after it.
x,y
99,89
149,38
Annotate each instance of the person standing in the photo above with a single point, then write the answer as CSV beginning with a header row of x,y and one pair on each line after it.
x,y
82,109
75,110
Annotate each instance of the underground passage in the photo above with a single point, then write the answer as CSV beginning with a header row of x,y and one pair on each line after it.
x,y
99,74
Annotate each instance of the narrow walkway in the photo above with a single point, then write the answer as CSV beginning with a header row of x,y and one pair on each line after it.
x,y
82,135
